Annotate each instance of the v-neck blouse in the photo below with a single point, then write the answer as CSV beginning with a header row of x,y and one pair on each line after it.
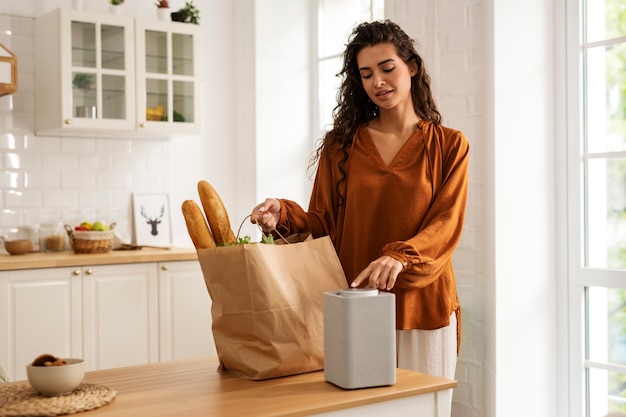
x,y
412,210
365,143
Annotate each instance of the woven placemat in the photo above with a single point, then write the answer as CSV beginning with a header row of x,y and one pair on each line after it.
x,y
22,400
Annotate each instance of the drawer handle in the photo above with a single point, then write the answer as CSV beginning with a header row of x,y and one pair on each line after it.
x,y
164,267
89,271
68,121
76,272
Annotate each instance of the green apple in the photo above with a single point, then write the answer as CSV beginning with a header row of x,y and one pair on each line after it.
x,y
99,227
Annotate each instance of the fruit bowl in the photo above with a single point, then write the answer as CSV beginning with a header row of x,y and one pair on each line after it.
x,y
89,241
56,380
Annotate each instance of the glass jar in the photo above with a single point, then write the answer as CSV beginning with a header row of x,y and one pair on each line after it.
x,y
52,237
31,233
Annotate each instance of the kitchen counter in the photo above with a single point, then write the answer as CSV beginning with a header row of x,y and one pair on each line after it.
x,y
194,387
69,258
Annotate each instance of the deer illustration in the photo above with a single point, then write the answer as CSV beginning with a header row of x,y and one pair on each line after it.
x,y
153,222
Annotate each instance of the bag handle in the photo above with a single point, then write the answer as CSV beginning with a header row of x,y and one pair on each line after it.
x,y
261,229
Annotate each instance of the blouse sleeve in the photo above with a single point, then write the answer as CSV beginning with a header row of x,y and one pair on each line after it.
x,y
320,220
427,254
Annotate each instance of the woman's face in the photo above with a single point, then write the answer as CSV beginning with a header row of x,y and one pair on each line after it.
x,y
386,78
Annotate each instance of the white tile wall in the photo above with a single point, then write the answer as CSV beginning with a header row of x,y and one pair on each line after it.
x,y
66,179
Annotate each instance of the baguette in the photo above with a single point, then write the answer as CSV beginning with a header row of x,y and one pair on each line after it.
x,y
196,225
216,214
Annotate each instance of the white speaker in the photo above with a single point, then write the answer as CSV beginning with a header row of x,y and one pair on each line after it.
x,y
359,338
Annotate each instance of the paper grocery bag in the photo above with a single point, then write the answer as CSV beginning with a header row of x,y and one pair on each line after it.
x,y
267,306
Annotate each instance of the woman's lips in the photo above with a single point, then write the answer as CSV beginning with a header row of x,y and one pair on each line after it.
x,y
384,94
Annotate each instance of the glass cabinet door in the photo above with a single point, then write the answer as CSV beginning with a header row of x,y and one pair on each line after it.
x,y
169,77
170,71
183,64
156,58
99,73
113,83
84,81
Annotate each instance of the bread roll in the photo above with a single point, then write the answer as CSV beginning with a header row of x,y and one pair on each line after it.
x,y
197,226
216,214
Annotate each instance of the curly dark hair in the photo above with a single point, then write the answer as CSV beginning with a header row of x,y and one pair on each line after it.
x,y
354,107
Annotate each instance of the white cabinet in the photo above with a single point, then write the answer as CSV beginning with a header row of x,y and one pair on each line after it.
x,y
85,73
104,74
120,319
184,311
110,315
38,315
168,77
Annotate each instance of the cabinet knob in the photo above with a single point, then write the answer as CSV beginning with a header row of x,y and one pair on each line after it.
x,y
143,124
164,267
76,272
89,271
68,121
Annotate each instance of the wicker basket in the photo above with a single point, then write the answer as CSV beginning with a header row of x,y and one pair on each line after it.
x,y
90,241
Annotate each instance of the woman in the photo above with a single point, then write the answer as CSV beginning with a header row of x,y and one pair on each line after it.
x,y
390,191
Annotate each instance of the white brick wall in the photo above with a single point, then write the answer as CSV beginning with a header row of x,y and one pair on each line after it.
x,y
449,35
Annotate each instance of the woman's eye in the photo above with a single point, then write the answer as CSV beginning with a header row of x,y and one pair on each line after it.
x,y
366,76
389,69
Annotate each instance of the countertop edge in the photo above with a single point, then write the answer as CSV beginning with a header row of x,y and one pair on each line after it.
x,y
70,259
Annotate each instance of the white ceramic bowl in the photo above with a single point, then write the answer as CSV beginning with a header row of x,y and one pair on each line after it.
x,y
56,380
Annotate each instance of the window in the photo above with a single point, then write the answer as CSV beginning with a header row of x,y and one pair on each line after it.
x,y
597,204
336,19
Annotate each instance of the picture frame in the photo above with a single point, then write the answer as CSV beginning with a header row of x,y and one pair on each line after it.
x,y
152,219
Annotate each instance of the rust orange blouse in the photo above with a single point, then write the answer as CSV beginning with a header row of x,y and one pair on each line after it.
x,y
412,210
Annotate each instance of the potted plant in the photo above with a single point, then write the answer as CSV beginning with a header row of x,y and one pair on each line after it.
x,y
82,81
188,14
163,9
116,6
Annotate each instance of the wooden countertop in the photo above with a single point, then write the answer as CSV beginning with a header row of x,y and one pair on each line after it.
x,y
68,258
194,387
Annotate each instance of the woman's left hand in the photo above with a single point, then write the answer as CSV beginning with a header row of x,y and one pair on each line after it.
x,y
381,273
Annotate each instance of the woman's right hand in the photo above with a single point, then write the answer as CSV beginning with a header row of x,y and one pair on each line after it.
x,y
266,214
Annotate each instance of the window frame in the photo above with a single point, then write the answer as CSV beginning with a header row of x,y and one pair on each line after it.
x,y
579,276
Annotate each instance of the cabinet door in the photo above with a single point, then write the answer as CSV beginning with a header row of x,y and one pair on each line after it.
x,y
120,315
39,313
185,312
85,63
168,77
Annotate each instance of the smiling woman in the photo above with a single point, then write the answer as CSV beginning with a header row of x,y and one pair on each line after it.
x,y
390,191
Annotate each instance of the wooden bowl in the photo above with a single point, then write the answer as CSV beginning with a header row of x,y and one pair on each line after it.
x,y
18,247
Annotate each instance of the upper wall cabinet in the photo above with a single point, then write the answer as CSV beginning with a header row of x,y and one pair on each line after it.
x,y
108,75
168,68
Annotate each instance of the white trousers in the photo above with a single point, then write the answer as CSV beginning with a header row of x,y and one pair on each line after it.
x,y
430,352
